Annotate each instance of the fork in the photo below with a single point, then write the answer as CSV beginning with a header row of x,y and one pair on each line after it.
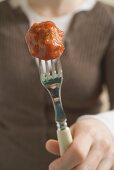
x,y
51,77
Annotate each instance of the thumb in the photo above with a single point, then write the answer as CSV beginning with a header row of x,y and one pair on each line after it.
x,y
52,146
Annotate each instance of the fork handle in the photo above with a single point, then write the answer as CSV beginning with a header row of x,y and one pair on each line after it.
x,y
64,139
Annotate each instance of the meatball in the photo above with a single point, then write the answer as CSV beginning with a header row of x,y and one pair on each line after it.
x,y
44,40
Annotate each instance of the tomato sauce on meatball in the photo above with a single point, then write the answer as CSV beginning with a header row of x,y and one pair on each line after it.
x,y
44,40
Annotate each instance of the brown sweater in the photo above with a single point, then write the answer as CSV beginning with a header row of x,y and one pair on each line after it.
x,y
26,112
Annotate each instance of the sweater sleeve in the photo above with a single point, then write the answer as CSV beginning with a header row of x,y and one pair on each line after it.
x,y
106,117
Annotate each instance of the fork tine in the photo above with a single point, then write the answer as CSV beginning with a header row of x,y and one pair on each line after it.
x,y
53,68
41,70
47,69
59,68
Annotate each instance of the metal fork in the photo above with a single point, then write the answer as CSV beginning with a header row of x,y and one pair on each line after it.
x,y
51,77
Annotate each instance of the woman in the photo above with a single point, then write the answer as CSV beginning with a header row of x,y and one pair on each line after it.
x,y
26,114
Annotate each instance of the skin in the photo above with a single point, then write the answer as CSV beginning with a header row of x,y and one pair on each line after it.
x,y
54,8
93,144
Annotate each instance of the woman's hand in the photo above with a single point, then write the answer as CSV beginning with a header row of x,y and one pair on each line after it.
x,y
92,148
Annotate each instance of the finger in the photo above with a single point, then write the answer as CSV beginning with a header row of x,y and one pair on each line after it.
x,y
75,154
93,159
53,147
105,164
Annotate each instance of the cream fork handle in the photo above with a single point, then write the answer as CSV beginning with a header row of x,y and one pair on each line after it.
x,y
64,139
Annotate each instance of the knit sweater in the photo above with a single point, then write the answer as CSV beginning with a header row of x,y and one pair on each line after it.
x,y
26,112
